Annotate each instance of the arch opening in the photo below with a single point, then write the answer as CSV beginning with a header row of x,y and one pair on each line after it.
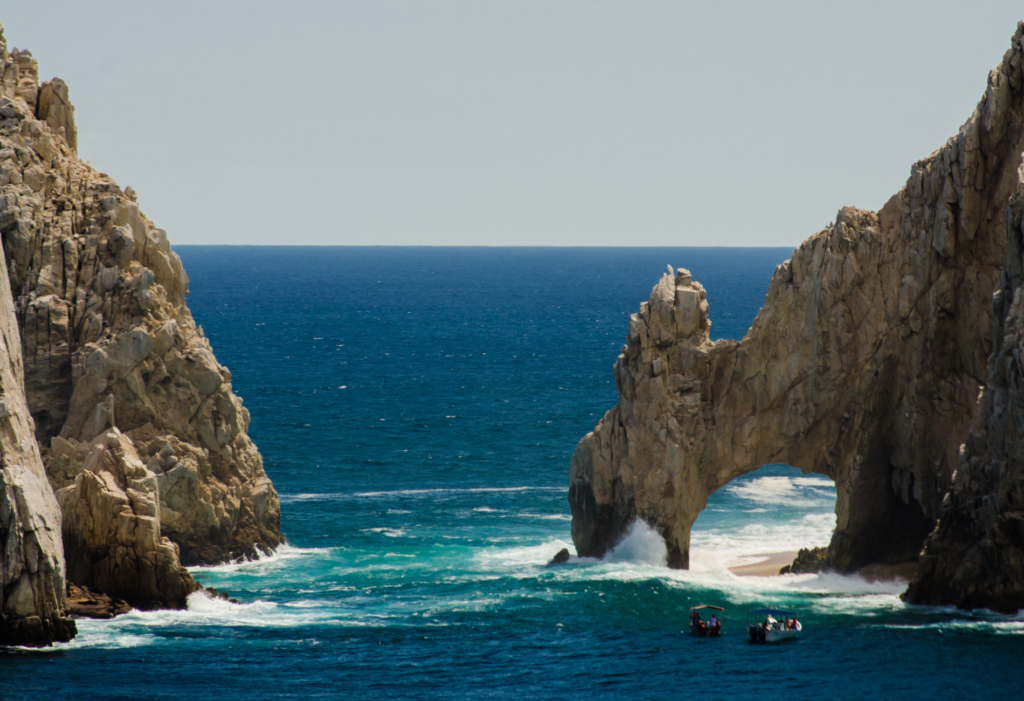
x,y
756,523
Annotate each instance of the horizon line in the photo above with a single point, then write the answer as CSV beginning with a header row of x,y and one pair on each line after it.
x,y
431,245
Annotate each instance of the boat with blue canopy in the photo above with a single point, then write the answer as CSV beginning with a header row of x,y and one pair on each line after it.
x,y
772,625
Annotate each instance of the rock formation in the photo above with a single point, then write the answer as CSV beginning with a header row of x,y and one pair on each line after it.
x,y
88,602
975,558
808,561
561,557
863,365
140,433
112,526
32,598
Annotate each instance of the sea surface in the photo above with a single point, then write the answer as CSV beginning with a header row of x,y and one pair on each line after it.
x,y
416,409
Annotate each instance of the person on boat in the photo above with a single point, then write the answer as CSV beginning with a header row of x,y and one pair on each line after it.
x,y
769,621
713,622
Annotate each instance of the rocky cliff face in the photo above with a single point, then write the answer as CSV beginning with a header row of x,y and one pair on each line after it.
x,y
975,558
32,604
142,438
864,363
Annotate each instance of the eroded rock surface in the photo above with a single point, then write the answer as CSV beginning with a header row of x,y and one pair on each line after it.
x,y
864,363
975,558
33,609
808,561
112,525
89,602
112,355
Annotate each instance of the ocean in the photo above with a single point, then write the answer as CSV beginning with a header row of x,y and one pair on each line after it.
x,y
416,409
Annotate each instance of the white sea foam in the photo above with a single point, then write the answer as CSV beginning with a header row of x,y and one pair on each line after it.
x,y
389,532
519,557
702,560
817,481
784,491
1010,627
832,583
98,635
642,545
981,620
134,629
726,547
264,562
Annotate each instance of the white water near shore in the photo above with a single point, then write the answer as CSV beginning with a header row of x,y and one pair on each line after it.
x,y
758,515
428,577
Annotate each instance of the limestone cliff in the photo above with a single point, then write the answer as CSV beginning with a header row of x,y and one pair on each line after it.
x,y
863,365
32,604
143,440
975,558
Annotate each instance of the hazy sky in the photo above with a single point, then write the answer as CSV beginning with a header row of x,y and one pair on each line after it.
x,y
512,123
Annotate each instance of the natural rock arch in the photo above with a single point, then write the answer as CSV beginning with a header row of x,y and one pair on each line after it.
x,y
863,365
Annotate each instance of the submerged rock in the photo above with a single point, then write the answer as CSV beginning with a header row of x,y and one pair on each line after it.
x,y
863,365
560,557
212,593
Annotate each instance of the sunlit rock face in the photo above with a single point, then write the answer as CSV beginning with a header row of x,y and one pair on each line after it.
x,y
33,610
863,365
136,420
112,527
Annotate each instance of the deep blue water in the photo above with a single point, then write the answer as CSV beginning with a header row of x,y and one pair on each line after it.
x,y
416,409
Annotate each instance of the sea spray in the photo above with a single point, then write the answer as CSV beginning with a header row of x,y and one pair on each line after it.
x,y
641,546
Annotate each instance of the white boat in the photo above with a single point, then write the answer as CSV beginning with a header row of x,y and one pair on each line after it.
x,y
773,625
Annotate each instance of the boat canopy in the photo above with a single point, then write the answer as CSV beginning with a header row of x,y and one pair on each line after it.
x,y
777,612
707,606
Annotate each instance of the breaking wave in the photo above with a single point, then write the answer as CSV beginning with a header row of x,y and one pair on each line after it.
x,y
642,545
793,492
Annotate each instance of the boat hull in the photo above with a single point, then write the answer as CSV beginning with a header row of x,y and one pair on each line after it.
x,y
759,634
704,630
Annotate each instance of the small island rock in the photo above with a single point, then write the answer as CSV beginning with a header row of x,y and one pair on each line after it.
x,y
560,557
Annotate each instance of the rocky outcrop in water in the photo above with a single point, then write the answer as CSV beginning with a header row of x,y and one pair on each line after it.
x,y
863,365
975,558
89,602
112,526
140,433
560,558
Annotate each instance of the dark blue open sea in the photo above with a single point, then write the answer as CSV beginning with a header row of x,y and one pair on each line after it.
x,y
416,409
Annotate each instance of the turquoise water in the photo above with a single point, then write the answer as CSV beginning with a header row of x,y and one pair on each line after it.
x,y
416,409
